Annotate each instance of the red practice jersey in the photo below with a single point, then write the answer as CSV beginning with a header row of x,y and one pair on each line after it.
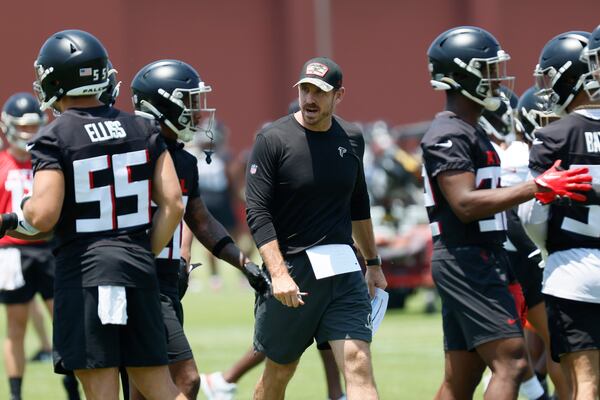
x,y
16,179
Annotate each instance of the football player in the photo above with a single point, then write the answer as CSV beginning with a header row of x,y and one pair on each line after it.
x,y
96,171
465,207
27,266
570,233
172,92
524,273
531,114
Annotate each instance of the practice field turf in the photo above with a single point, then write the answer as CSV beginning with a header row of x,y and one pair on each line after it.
x,y
407,350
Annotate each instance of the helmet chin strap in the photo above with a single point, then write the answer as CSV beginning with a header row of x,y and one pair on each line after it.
x,y
446,83
183,134
489,129
489,103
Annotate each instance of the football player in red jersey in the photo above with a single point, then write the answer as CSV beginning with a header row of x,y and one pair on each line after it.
x,y
27,267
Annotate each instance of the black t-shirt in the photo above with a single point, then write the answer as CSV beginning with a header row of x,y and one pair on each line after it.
x,y
452,144
305,188
575,140
167,262
107,158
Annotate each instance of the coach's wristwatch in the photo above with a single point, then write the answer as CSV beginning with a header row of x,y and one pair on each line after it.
x,y
371,262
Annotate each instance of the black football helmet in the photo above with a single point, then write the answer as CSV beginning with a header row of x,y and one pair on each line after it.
x,y
22,110
500,123
469,59
111,92
70,63
532,113
172,92
560,73
591,55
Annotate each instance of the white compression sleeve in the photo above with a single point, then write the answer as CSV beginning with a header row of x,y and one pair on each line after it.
x,y
534,217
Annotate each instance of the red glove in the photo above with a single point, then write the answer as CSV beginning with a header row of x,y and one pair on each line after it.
x,y
562,183
546,197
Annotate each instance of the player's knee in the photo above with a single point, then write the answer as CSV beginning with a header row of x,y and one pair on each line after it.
x,y
357,365
521,366
16,329
280,372
513,369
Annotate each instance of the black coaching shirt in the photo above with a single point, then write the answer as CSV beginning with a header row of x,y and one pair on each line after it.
x,y
107,158
452,144
167,262
575,140
305,188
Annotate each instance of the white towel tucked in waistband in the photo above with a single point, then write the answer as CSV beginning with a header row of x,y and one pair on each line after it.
x,y
112,305
11,272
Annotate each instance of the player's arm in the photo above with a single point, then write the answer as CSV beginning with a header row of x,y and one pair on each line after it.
x,y
470,204
215,238
212,234
43,208
166,193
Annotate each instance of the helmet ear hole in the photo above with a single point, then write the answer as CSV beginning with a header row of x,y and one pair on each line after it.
x,y
458,76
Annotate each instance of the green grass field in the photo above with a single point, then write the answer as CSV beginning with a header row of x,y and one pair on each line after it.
x,y
407,350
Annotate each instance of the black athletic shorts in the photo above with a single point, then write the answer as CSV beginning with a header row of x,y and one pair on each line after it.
x,y
574,326
476,304
336,308
82,342
178,347
37,263
529,274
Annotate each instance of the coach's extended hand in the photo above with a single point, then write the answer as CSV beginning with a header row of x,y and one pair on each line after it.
x,y
286,291
562,183
257,278
8,222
